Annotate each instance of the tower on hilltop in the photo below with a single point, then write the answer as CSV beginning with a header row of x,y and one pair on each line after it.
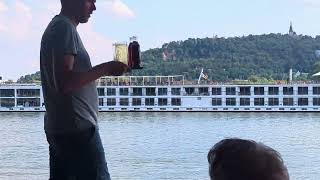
x,y
291,32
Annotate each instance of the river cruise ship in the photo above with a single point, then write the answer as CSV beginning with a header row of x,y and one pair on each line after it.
x,y
174,93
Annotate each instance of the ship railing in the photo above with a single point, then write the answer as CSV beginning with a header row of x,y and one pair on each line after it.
x,y
141,81
191,94
196,94
18,84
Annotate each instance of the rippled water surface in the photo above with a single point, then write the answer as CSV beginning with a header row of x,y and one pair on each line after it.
x,y
147,146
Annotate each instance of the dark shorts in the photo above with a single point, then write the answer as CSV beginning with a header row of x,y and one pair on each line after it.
x,y
77,156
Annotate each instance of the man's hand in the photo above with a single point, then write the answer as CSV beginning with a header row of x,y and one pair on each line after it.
x,y
115,68
68,80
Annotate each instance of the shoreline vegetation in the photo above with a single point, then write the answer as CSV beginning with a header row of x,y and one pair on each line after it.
x,y
254,58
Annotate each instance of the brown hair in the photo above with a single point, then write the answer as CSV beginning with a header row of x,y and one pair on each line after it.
x,y
237,159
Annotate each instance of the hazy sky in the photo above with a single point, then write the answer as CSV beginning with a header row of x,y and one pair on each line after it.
x,y
22,23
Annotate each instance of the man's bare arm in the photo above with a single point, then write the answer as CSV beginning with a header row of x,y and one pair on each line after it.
x,y
68,80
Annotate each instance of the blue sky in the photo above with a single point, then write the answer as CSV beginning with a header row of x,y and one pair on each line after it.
x,y
22,23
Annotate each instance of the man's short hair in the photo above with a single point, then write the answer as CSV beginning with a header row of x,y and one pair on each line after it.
x,y
237,159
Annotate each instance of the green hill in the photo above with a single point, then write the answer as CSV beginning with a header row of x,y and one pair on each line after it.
x,y
264,56
268,56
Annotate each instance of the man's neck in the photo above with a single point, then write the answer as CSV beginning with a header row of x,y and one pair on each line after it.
x,y
69,16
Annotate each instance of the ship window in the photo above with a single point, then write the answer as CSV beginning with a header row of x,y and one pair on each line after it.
x,y
316,90
101,91
101,102
281,109
176,102
287,90
216,91
216,102
244,101
123,109
28,92
137,91
273,101
111,91
162,91
6,92
111,102
303,90
124,91
288,101
149,109
231,101
273,91
28,102
163,109
258,90
124,101
151,91
136,101
204,91
176,109
259,101
230,91
176,91
303,102
245,91
8,102
149,101
316,101
189,91
162,101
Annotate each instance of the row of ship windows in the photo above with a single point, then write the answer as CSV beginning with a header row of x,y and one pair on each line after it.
x,y
174,91
215,102
20,92
35,102
245,91
25,102
138,102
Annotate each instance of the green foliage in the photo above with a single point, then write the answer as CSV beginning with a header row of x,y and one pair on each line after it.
x,y
266,56
32,78
316,67
259,58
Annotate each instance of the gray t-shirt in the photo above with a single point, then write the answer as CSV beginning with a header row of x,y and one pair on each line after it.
x,y
75,111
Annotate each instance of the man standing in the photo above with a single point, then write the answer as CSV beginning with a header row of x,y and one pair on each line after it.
x,y
71,99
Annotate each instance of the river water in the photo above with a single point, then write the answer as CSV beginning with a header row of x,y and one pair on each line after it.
x,y
171,146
